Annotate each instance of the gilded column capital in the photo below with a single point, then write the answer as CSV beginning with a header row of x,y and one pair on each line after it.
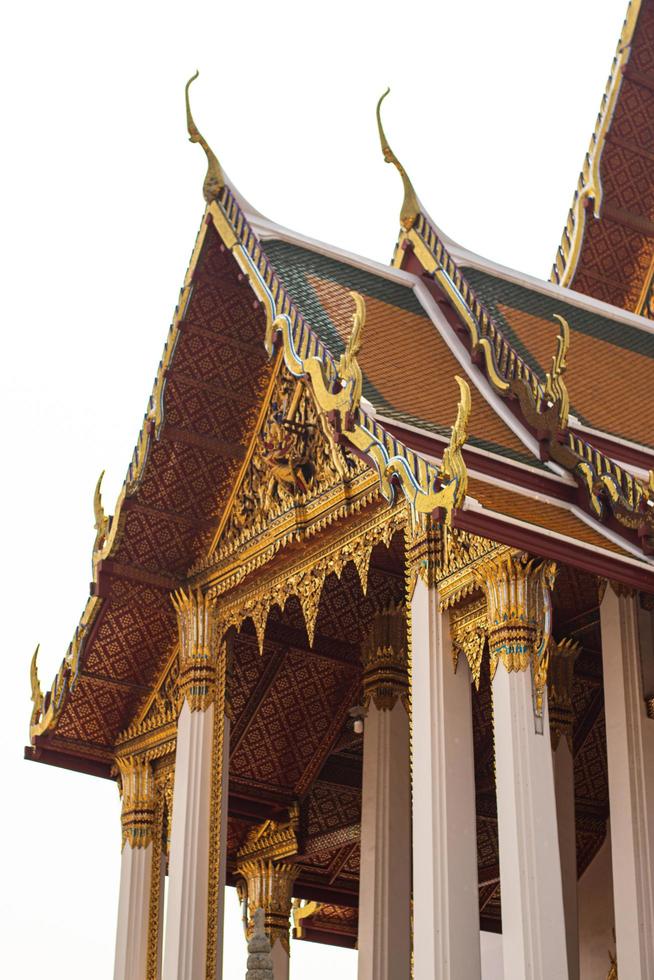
x,y
384,655
201,649
138,793
268,885
468,632
562,656
622,591
268,876
423,553
519,614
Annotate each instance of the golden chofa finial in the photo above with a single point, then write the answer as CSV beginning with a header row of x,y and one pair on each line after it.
x,y
214,181
556,390
410,205
37,694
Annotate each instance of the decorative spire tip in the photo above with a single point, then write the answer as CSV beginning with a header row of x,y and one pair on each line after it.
x,y
214,180
410,205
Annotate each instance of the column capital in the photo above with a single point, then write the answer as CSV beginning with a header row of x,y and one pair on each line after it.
x,y
562,656
200,648
268,876
384,655
519,608
269,886
423,553
137,789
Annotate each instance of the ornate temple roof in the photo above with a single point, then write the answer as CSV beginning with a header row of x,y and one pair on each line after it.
x,y
568,485
607,248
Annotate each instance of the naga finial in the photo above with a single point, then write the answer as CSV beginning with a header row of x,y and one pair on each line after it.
x,y
101,520
214,181
348,366
454,467
410,205
37,693
555,387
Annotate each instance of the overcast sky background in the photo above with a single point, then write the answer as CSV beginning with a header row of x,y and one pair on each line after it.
x,y
491,112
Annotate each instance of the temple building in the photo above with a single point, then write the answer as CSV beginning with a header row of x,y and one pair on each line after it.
x,y
370,635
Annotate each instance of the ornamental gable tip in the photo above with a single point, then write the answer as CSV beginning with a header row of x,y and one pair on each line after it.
x,y
410,205
215,179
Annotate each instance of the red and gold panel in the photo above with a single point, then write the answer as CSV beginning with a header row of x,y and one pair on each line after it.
x,y
137,625
294,721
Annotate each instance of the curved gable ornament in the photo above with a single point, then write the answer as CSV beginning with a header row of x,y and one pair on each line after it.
x,y
427,488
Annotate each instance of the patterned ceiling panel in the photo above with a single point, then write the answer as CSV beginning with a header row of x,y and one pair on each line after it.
x,y
591,832
158,542
185,480
237,831
591,783
293,720
211,413
319,862
617,250
139,623
344,612
331,807
96,713
336,918
246,669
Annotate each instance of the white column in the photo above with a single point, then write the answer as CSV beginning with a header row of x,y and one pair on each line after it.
x,y
268,886
519,611
137,787
561,716
564,790
533,923
185,943
596,917
133,913
384,939
281,961
195,903
630,753
446,940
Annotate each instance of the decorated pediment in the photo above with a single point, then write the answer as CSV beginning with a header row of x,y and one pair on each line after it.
x,y
295,472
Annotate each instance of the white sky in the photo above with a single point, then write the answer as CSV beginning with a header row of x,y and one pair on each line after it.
x,y
491,111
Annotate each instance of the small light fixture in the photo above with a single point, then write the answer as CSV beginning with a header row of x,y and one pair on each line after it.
x,y
357,714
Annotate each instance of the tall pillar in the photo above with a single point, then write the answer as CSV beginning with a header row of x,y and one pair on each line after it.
x,y
269,886
445,887
630,754
195,907
561,716
384,940
596,915
138,803
519,619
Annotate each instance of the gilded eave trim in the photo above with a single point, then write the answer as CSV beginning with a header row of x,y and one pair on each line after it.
x,y
109,539
589,185
304,354
610,490
645,305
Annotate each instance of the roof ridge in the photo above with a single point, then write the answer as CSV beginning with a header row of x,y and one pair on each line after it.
x,y
589,184
306,354
610,490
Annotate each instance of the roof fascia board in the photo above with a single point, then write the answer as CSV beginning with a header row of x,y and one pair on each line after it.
x,y
489,524
483,386
565,294
565,480
472,504
267,230
617,442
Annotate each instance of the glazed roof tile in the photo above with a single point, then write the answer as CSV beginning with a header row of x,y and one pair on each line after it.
x,y
407,368
607,249
601,396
